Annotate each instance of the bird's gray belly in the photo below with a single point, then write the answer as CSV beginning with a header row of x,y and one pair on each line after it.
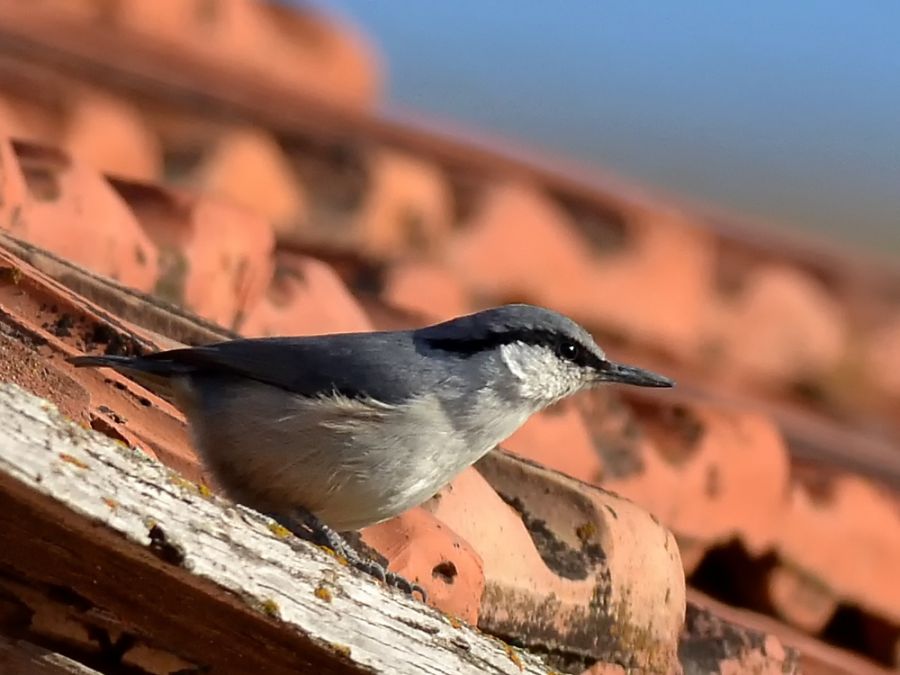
x,y
351,463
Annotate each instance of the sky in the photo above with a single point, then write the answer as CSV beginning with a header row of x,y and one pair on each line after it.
x,y
785,111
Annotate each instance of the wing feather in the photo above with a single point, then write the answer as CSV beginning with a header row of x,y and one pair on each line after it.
x,y
355,365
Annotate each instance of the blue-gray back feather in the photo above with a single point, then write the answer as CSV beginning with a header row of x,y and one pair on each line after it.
x,y
356,365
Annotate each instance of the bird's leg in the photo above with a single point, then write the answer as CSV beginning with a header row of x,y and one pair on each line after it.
x,y
309,527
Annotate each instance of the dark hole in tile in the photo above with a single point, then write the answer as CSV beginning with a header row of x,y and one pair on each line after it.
x,y
445,571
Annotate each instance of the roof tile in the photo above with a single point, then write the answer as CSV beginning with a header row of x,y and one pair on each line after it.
x,y
247,167
215,259
67,207
304,297
558,438
110,134
422,549
514,234
784,327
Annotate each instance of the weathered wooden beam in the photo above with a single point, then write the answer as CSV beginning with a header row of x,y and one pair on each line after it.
x,y
142,561
18,657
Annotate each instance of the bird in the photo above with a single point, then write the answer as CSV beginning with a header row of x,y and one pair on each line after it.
x,y
333,433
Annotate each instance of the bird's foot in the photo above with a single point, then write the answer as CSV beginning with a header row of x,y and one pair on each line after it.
x,y
309,527
377,570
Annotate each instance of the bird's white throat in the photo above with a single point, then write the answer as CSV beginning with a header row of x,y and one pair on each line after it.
x,y
539,374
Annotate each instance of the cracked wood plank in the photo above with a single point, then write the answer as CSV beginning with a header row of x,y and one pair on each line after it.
x,y
162,566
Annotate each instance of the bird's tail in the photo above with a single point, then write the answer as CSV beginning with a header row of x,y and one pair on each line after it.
x,y
101,361
155,375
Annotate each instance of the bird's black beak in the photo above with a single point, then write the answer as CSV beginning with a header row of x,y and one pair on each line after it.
x,y
623,374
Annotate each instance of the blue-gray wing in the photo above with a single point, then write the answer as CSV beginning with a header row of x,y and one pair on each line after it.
x,y
384,366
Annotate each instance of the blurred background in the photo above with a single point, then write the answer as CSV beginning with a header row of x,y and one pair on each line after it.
x,y
779,110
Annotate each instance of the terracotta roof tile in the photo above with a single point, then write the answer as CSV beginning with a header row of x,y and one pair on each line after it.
x,y
607,582
215,259
783,327
66,207
427,288
304,297
882,357
247,167
559,438
844,533
111,135
424,549
732,473
646,292
533,235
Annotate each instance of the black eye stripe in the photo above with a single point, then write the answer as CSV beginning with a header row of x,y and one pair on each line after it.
x,y
472,345
566,348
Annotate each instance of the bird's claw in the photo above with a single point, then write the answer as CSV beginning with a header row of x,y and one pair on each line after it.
x,y
392,579
405,585
314,529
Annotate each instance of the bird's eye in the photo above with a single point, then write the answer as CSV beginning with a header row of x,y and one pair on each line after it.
x,y
569,351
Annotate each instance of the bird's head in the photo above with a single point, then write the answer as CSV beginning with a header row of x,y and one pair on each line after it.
x,y
547,355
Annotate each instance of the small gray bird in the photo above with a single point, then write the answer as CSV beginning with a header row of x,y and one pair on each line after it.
x,y
336,432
